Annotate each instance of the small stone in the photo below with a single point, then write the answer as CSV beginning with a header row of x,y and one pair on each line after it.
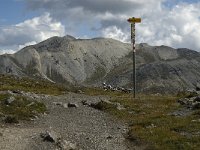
x,y
72,105
183,101
31,104
197,99
16,92
65,105
49,136
120,107
109,137
1,114
67,145
10,100
196,105
58,103
198,87
80,92
86,103
10,92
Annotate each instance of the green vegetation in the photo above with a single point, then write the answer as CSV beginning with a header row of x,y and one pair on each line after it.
x,y
8,82
20,108
23,108
150,120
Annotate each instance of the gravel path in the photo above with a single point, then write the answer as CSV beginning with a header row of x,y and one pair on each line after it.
x,y
85,127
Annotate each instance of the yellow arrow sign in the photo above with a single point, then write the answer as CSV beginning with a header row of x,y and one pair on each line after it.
x,y
134,20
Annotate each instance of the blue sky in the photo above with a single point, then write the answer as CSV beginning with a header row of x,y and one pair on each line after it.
x,y
174,23
13,12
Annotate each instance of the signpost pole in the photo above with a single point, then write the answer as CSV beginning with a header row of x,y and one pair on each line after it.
x,y
133,21
134,60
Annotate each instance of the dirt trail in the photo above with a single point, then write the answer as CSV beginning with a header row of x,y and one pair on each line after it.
x,y
86,127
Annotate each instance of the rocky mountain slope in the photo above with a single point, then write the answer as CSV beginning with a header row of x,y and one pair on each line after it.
x,y
66,59
160,69
93,61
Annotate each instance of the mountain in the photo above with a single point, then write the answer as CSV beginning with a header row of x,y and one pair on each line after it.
x,y
92,61
160,69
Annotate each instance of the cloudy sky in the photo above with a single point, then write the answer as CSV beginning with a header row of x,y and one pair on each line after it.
x,y
173,23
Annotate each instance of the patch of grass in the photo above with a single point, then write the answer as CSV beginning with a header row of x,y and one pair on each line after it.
x,y
150,121
9,82
20,109
11,119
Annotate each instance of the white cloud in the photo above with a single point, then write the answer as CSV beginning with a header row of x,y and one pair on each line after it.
x,y
176,26
7,51
26,44
115,33
30,31
42,27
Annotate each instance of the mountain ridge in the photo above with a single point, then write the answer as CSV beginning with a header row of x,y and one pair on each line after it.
x,y
90,62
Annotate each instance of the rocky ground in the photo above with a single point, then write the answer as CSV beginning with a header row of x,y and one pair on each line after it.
x,y
68,124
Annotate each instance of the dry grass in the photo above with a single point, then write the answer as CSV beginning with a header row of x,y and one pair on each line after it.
x,y
8,82
20,109
150,121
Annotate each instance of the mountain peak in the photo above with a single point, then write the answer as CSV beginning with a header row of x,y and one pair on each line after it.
x,y
69,37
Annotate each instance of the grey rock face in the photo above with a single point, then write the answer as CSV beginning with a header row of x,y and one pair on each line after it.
x,y
94,61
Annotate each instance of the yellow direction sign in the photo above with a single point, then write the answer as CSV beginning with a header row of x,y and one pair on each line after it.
x,y
134,20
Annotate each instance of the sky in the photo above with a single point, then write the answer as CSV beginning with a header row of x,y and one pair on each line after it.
x,y
174,23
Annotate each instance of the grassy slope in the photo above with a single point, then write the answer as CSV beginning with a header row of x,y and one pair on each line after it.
x,y
8,82
24,108
20,109
150,121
